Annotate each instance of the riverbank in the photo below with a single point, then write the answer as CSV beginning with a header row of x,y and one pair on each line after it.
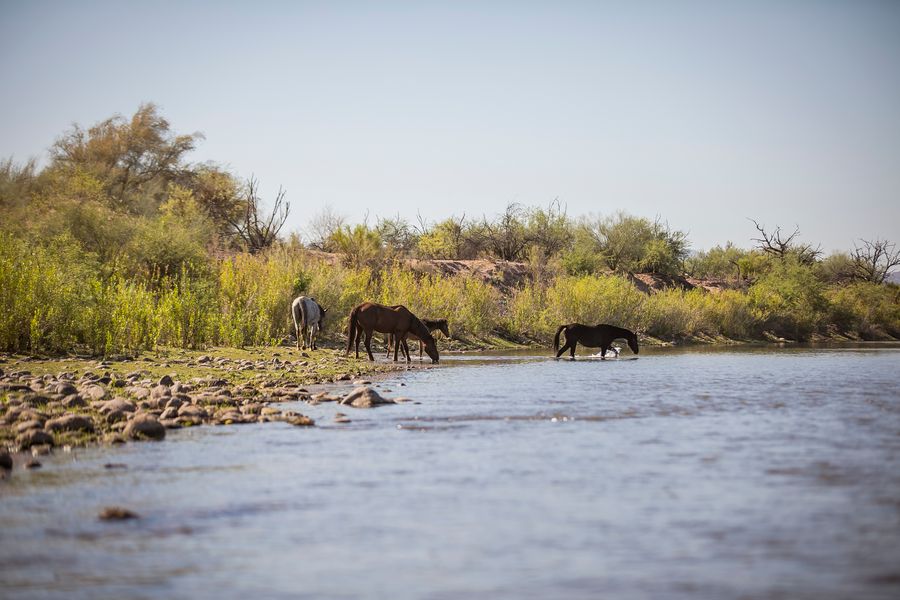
x,y
49,403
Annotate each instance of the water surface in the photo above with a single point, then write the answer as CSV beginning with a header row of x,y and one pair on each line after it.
x,y
737,473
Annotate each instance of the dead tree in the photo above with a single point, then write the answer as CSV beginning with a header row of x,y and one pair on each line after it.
x,y
775,244
257,230
874,260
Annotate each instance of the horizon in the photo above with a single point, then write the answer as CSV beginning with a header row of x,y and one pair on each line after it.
x,y
703,115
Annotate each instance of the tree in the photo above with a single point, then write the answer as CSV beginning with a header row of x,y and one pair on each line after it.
x,y
874,260
506,237
323,226
257,230
549,230
135,158
774,244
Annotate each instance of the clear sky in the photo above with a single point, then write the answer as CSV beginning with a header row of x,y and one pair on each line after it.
x,y
703,113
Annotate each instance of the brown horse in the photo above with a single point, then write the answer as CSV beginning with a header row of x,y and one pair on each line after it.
x,y
431,324
593,336
399,321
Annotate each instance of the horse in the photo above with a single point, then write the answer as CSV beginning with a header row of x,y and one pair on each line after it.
x,y
593,336
399,321
309,318
431,324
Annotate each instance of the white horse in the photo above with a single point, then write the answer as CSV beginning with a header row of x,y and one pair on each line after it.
x,y
309,318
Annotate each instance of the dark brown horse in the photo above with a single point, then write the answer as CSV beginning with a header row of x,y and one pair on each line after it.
x,y
593,336
399,321
431,324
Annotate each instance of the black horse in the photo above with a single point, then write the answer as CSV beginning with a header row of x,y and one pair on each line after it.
x,y
593,336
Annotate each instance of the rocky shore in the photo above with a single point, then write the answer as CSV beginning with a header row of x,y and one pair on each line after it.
x,y
52,404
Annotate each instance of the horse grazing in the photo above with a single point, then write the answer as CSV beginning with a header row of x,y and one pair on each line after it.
x,y
309,318
593,336
398,321
431,324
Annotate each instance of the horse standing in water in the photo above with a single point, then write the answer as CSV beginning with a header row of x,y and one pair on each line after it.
x,y
399,321
593,336
309,318
431,324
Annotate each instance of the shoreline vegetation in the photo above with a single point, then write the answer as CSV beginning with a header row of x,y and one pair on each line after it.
x,y
120,247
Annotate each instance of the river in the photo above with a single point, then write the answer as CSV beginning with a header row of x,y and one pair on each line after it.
x,y
706,473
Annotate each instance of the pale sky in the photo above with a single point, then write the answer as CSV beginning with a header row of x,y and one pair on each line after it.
x,y
703,113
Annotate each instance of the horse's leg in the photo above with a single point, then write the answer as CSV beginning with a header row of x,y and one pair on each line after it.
x,y
359,333
369,345
397,340
563,349
313,331
421,345
603,350
297,329
406,350
572,349
389,338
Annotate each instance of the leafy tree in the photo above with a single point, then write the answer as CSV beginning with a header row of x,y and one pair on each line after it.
x,y
718,262
549,230
360,246
134,158
506,238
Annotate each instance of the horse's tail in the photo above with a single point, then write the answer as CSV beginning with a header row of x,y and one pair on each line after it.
x,y
556,338
351,333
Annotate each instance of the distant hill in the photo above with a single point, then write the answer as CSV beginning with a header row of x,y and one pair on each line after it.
x,y
894,277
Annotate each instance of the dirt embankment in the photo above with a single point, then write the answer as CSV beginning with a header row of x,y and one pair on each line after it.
x,y
507,275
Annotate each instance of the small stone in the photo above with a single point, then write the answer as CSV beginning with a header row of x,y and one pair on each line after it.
x,y
70,423
115,466
364,397
73,401
33,464
34,437
116,513
160,391
145,425
166,380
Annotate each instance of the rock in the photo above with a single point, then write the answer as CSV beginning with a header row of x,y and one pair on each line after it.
x,y
364,397
65,388
73,401
192,411
166,380
144,425
115,466
300,421
116,513
170,423
140,393
361,382
70,423
33,464
341,418
94,392
6,461
117,404
170,413
34,437
402,399
160,391
28,425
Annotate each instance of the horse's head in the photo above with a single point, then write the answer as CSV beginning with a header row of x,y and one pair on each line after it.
x,y
443,328
633,343
430,347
